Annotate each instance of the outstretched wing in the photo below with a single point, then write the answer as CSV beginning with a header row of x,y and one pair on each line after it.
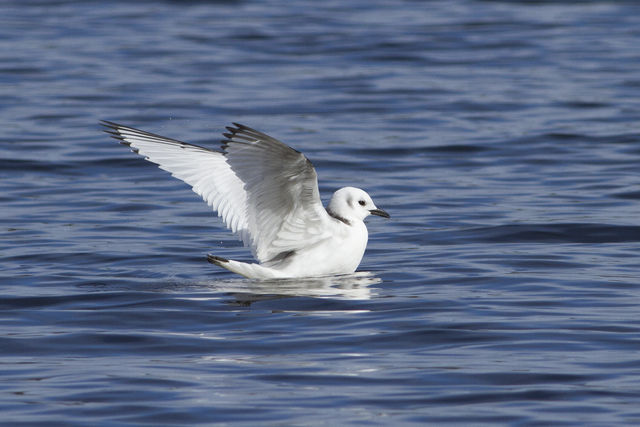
x,y
284,210
205,170
265,191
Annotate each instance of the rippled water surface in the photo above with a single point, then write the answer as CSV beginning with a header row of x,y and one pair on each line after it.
x,y
502,137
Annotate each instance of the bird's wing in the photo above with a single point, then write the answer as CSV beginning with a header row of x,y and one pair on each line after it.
x,y
284,210
265,191
206,171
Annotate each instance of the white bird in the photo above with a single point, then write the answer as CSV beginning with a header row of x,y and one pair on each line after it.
x,y
267,193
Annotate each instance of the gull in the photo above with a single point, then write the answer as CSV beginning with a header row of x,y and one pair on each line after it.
x,y
267,193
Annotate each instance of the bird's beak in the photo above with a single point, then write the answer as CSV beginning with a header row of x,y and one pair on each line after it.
x,y
379,212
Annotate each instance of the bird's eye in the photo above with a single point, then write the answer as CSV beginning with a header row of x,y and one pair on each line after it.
x,y
362,203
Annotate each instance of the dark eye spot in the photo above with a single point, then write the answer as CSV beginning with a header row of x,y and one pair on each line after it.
x,y
361,202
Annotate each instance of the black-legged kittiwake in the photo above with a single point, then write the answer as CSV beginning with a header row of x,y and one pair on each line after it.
x,y
267,193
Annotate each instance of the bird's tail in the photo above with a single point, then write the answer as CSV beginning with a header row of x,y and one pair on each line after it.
x,y
251,271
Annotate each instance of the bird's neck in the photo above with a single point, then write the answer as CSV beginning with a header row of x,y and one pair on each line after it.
x,y
337,216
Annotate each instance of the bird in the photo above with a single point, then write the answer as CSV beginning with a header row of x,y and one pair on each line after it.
x,y
267,194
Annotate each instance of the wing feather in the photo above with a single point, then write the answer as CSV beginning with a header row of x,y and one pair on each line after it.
x,y
265,191
205,170
284,206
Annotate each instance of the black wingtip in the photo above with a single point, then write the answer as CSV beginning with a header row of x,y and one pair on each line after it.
x,y
112,131
110,125
239,134
111,128
216,260
239,127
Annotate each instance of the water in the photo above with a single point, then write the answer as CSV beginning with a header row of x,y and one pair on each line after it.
x,y
503,138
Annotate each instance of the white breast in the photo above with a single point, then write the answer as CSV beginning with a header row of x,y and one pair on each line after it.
x,y
339,255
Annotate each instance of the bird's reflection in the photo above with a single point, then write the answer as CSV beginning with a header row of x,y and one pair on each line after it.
x,y
357,286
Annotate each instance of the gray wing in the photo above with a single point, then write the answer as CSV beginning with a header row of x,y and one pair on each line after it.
x,y
284,210
265,191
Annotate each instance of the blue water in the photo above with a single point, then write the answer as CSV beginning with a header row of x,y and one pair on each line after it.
x,y
503,137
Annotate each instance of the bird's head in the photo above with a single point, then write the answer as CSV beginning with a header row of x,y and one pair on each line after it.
x,y
351,203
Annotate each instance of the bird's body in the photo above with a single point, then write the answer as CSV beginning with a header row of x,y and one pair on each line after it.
x,y
267,193
339,254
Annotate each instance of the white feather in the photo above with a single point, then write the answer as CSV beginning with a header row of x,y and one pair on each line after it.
x,y
266,193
